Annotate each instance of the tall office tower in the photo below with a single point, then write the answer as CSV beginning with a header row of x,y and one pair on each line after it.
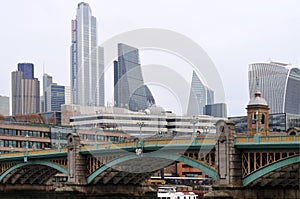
x,y
279,83
55,97
27,69
86,68
25,91
4,105
100,77
130,91
200,95
47,81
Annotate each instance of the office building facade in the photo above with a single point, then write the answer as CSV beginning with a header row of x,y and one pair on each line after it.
x,y
47,81
155,121
279,83
129,89
4,105
25,91
216,110
87,79
55,97
27,69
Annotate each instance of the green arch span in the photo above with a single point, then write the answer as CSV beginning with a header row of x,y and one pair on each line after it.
x,y
35,162
206,169
271,167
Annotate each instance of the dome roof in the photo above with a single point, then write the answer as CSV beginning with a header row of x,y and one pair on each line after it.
x,y
258,100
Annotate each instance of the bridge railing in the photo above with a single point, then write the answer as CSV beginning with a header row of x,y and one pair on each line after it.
x,y
35,152
149,143
268,139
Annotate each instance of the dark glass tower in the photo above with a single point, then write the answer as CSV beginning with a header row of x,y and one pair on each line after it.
x,y
27,69
130,91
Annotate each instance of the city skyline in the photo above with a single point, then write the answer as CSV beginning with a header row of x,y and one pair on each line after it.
x,y
246,34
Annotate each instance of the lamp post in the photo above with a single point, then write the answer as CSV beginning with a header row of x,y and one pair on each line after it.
x,y
139,149
194,121
256,119
95,131
26,152
59,136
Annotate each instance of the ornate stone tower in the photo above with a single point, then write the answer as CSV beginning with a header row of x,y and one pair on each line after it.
x,y
258,115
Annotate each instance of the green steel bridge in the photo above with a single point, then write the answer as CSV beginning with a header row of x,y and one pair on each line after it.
x,y
260,160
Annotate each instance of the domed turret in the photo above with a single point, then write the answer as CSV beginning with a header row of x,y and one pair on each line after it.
x,y
258,115
258,100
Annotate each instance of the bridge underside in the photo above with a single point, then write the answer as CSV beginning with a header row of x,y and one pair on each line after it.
x,y
134,171
287,176
30,174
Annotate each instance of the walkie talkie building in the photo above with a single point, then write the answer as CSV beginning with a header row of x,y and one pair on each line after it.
x,y
279,83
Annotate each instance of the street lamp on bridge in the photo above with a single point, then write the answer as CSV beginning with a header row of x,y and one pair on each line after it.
x,y
59,145
26,151
194,121
139,149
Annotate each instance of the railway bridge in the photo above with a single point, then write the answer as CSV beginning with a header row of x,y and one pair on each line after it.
x,y
240,164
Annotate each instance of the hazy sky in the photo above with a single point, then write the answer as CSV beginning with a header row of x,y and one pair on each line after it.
x,y
233,33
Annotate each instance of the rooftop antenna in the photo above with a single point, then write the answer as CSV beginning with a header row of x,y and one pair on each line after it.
x,y
257,92
43,67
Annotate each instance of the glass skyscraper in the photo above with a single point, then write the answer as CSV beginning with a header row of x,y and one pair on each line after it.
x,y
200,95
129,88
55,97
87,77
279,83
27,69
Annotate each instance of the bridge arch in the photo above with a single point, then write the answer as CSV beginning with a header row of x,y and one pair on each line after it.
x,y
271,167
175,157
34,162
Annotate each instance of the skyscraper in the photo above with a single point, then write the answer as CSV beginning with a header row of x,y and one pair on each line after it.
x,y
130,91
200,95
55,97
87,79
25,91
27,69
279,83
47,81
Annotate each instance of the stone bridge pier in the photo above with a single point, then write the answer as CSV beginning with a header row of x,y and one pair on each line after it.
x,y
229,177
76,161
77,175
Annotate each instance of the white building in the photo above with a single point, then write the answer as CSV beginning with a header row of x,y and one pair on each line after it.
x,y
152,122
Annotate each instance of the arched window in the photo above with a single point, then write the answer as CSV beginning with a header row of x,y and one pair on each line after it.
x,y
262,118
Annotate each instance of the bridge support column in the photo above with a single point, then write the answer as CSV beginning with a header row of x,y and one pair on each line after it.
x,y
76,161
228,161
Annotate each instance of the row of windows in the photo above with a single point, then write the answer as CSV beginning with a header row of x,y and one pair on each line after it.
x,y
24,133
102,138
8,132
14,144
